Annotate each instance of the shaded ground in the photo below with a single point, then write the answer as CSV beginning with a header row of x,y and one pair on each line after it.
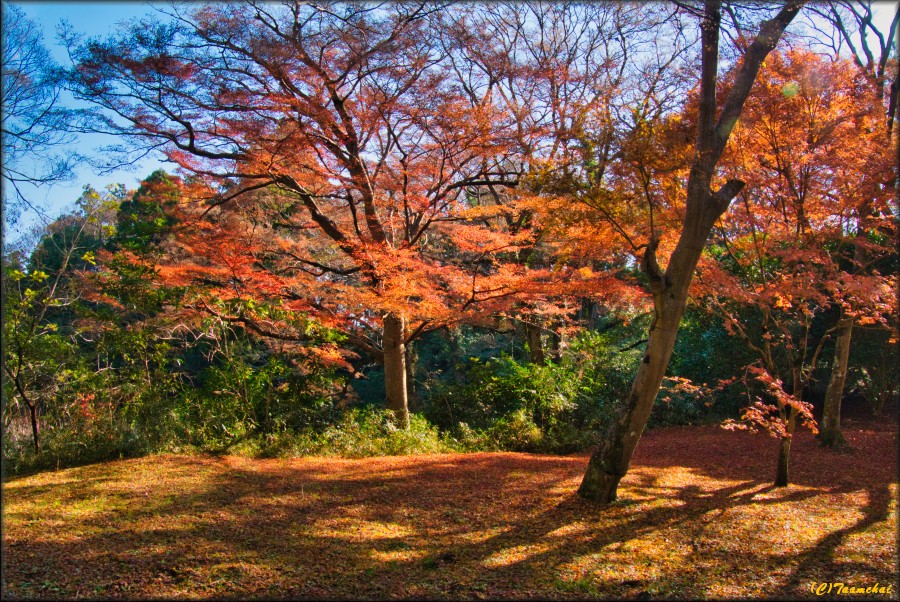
x,y
696,518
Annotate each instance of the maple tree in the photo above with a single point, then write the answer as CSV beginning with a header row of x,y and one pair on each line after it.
x,y
853,26
557,71
807,146
335,153
583,83
703,207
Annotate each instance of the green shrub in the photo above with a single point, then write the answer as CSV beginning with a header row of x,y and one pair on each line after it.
x,y
501,404
81,433
365,432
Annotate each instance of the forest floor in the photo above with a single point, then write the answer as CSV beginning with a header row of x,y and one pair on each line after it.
x,y
697,518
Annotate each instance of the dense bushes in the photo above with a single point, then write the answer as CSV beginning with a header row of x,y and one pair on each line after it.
x,y
244,397
555,407
247,399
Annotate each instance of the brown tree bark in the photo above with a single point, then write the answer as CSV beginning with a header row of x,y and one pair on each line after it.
x,y
610,462
32,410
411,359
782,468
556,345
782,472
830,432
395,368
535,345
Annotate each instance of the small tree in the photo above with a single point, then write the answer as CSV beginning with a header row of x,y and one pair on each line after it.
x,y
807,148
38,345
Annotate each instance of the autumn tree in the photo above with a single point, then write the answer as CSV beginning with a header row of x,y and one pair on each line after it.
x,y
850,26
334,149
703,207
811,138
567,75
805,148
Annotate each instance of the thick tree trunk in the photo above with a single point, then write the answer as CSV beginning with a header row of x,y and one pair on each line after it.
x,y
703,207
610,462
395,368
830,434
782,472
535,345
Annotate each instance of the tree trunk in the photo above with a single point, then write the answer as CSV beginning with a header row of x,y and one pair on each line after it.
x,y
830,434
556,345
782,470
395,368
411,359
784,456
32,410
453,360
610,462
535,345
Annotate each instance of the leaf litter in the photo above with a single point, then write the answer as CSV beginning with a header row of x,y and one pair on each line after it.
x,y
697,517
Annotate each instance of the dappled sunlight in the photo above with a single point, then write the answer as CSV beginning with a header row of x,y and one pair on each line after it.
x,y
514,554
357,529
456,525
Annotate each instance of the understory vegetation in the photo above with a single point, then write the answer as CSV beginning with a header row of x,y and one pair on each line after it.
x,y
471,389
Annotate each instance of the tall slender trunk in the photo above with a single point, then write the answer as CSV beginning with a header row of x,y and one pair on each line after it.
x,y
412,359
610,462
782,469
32,410
32,406
535,345
395,368
830,433
556,345
453,344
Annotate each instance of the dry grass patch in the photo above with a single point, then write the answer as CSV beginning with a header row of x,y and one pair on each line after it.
x,y
697,518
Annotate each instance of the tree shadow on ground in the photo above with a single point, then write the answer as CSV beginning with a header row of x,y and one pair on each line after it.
x,y
692,514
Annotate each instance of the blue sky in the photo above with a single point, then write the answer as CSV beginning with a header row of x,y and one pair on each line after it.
x,y
101,18
91,19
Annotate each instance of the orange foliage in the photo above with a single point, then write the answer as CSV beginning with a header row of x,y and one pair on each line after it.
x,y
812,219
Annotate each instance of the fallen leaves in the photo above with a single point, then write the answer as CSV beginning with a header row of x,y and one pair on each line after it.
x,y
697,518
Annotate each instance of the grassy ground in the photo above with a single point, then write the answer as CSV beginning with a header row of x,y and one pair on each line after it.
x,y
697,518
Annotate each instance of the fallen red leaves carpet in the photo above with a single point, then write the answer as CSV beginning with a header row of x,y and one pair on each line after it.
x,y
697,518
